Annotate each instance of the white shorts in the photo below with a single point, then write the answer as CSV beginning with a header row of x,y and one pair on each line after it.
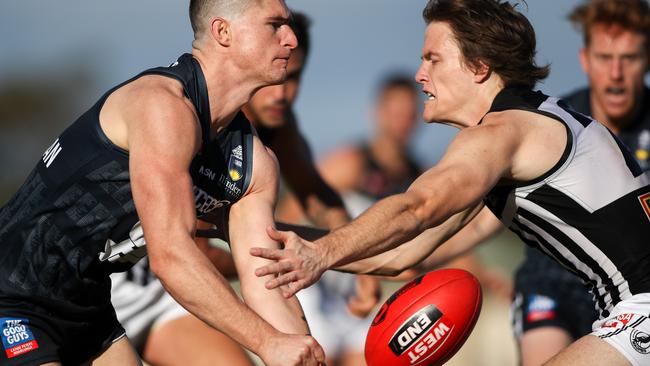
x,y
628,329
330,322
141,308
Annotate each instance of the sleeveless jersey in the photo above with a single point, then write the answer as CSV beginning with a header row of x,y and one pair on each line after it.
x,y
377,183
73,222
590,212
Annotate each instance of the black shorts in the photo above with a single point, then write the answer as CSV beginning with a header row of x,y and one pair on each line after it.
x,y
546,294
32,335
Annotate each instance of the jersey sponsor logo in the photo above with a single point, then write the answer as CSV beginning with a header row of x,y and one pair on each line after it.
x,y
540,308
645,203
207,172
17,337
206,203
130,250
51,153
640,341
422,332
236,164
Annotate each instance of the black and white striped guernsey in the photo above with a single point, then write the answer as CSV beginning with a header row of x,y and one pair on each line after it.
x,y
590,212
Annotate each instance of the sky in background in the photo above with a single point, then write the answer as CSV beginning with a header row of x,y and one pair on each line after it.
x,y
354,43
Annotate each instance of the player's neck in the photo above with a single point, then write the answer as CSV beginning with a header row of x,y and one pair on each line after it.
x,y
226,93
472,113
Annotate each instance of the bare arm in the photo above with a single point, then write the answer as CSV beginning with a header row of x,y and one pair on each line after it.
x,y
409,254
163,137
472,165
248,220
482,227
472,162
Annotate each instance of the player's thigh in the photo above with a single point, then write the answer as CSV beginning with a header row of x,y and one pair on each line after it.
x,y
589,351
119,352
540,344
186,340
51,364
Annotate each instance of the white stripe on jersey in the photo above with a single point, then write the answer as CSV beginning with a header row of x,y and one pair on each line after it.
x,y
592,156
587,246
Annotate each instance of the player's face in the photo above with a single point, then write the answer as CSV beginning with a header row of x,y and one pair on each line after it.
x,y
615,62
397,113
445,79
269,106
264,40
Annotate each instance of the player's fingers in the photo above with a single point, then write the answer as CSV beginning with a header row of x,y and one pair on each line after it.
x,y
280,281
277,235
268,253
319,354
276,268
272,268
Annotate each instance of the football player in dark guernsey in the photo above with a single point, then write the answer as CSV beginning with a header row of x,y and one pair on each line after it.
x,y
131,176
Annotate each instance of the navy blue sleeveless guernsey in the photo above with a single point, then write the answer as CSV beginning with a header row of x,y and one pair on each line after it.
x,y
73,221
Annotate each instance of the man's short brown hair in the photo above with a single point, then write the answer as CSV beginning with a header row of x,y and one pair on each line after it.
x,y
494,33
633,15
202,10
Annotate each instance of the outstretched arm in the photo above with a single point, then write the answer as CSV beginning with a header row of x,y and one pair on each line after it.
x,y
472,166
417,250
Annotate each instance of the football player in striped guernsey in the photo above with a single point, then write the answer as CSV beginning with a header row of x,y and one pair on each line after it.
x,y
558,179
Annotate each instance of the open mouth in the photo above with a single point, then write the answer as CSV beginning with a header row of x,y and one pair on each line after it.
x,y
429,95
615,91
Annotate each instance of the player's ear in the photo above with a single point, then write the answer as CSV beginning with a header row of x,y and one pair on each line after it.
x,y
221,31
481,71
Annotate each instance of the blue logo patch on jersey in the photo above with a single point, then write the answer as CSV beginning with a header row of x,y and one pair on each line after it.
x,y
540,308
236,164
17,338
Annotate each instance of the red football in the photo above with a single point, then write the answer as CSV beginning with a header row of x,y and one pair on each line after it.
x,y
426,321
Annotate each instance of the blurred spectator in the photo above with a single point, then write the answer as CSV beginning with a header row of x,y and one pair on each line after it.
x,y
552,307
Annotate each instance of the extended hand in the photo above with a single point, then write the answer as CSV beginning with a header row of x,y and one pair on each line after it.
x,y
294,350
298,265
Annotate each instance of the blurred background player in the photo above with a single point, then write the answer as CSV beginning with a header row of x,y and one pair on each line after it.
x,y
162,330
362,174
337,308
552,308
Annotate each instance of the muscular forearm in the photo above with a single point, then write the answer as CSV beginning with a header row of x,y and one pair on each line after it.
x,y
484,226
409,254
194,282
283,314
387,224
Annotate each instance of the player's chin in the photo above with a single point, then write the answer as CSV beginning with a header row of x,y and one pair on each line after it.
x,y
278,74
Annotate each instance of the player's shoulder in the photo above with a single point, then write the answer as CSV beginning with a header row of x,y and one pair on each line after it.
x,y
154,88
156,97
